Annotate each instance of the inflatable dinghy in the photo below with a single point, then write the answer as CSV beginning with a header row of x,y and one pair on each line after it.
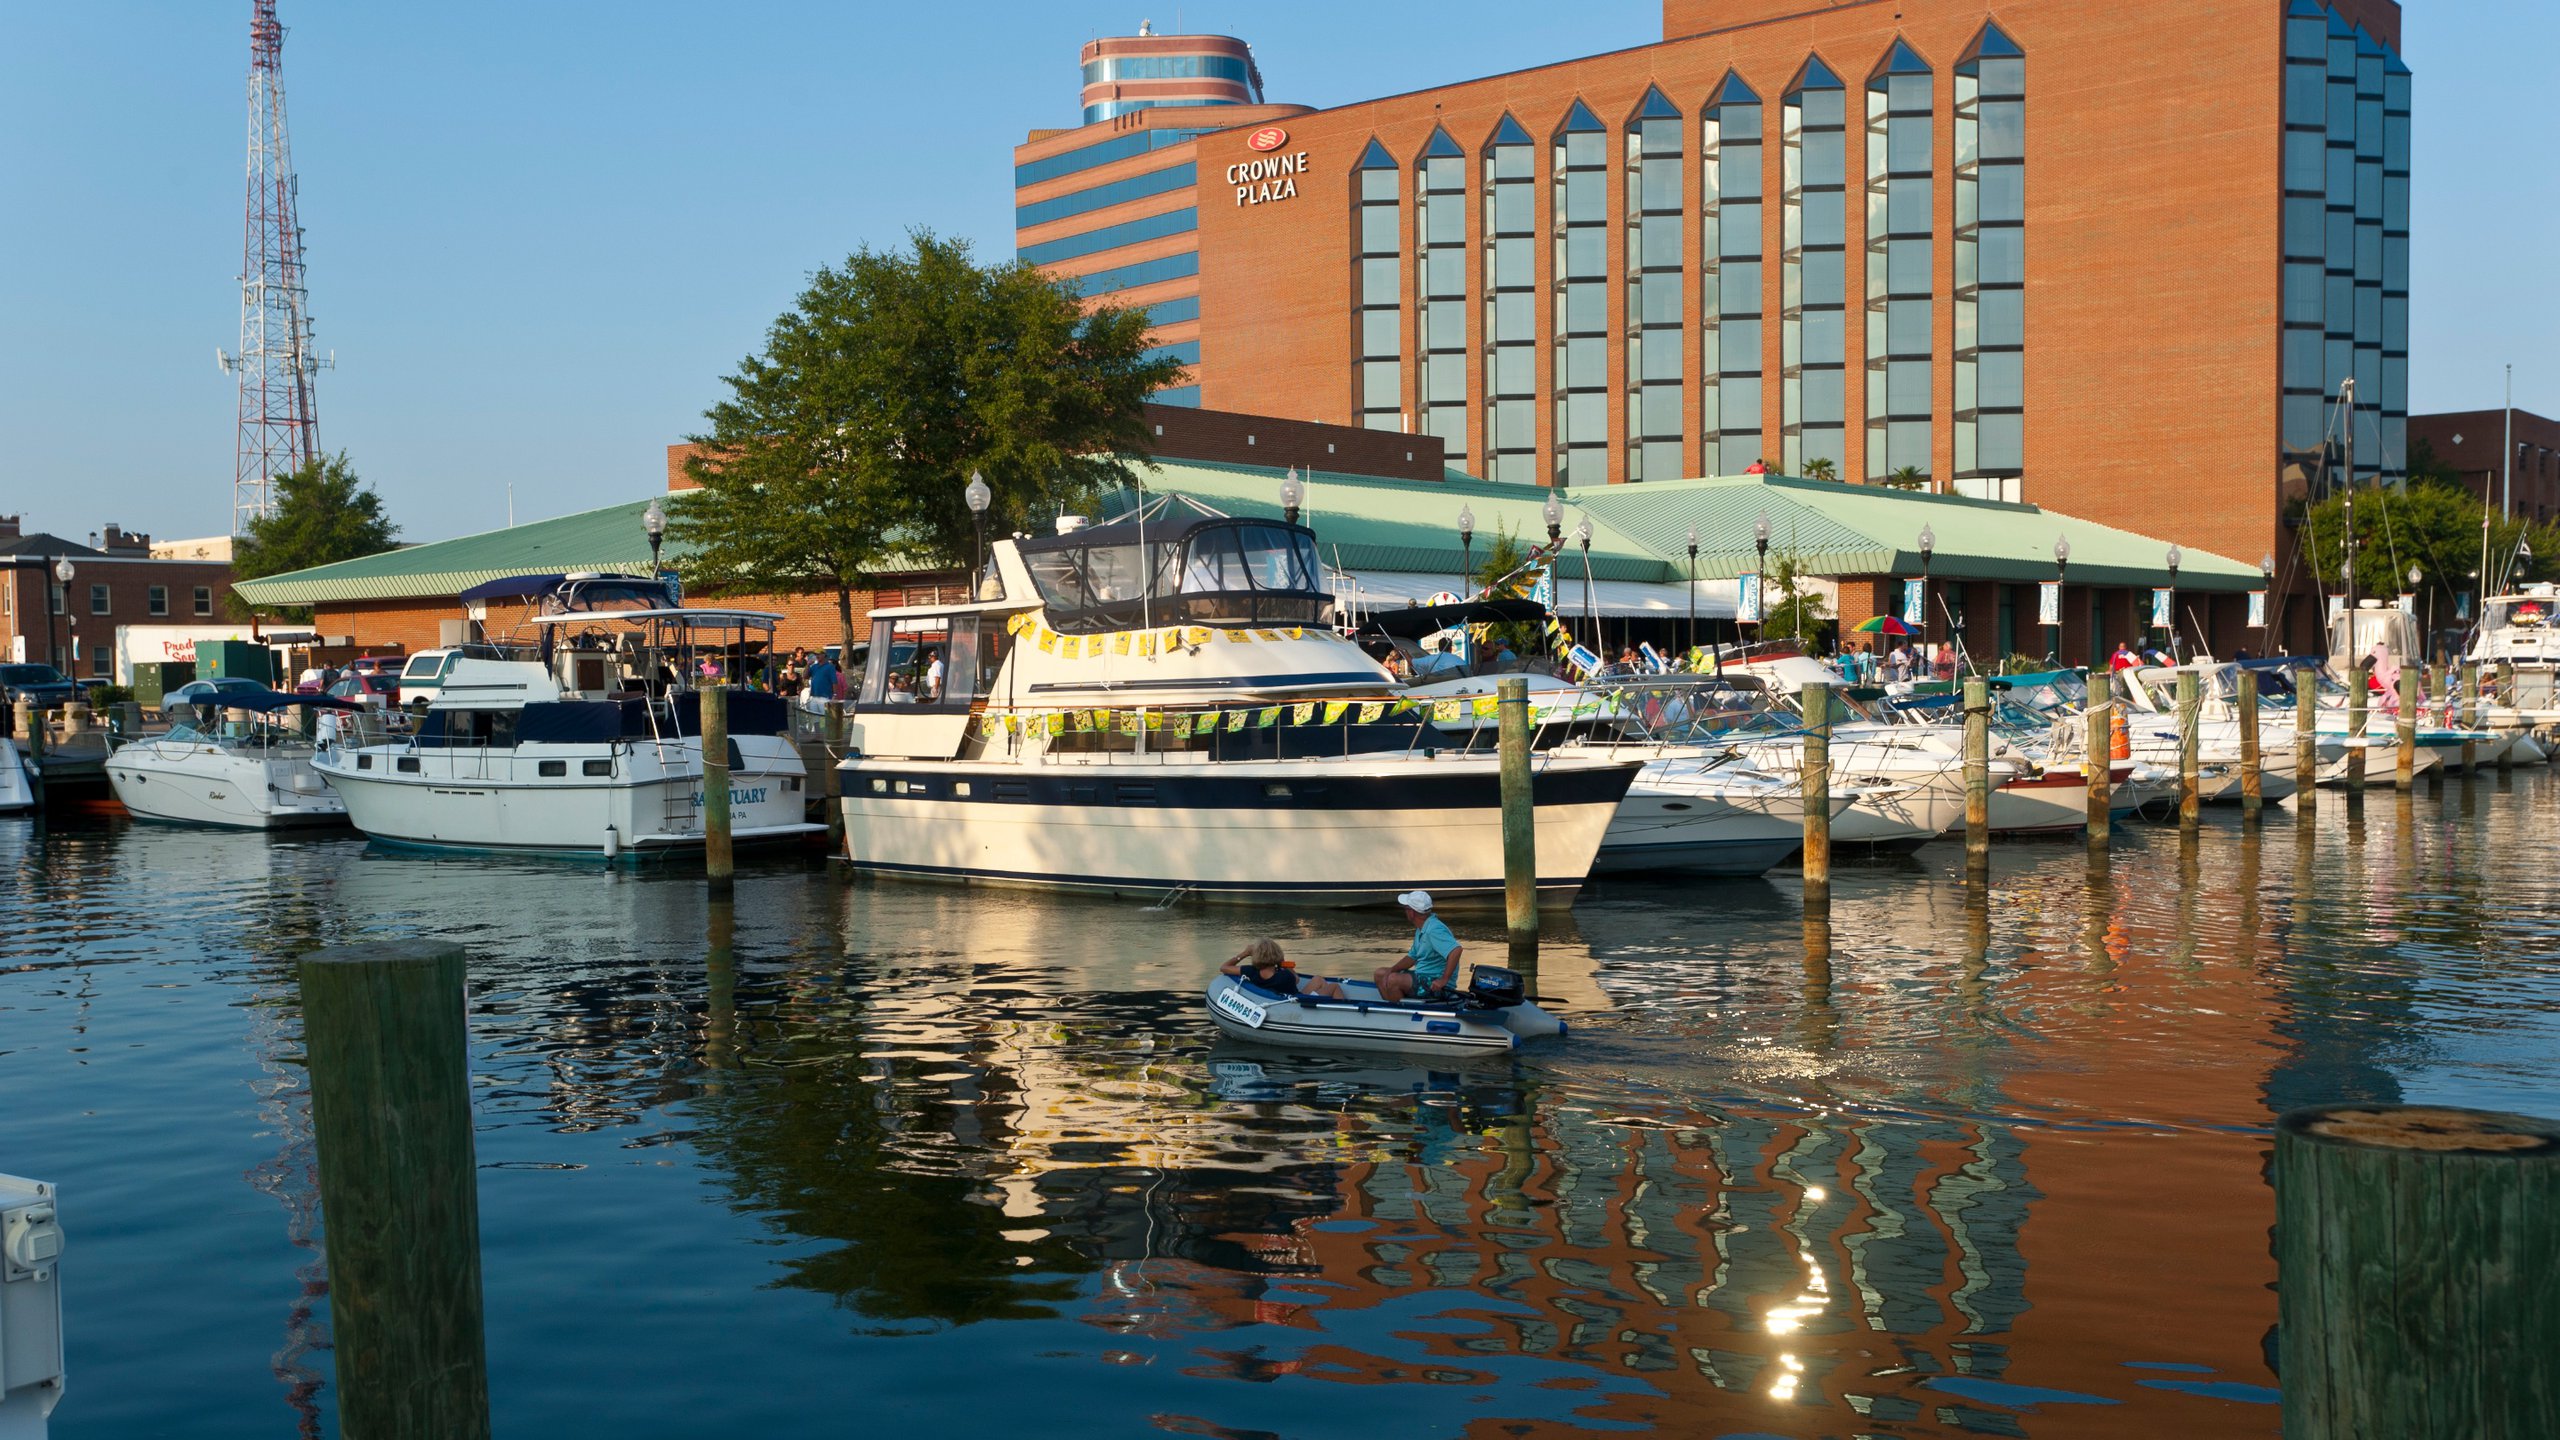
x,y
1491,1015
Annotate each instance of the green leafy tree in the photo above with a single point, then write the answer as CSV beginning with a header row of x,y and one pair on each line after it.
x,y
1821,469
322,514
845,446
1798,611
1909,477
2436,528
1494,576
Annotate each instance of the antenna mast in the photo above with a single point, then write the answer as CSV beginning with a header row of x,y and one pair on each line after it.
x,y
275,363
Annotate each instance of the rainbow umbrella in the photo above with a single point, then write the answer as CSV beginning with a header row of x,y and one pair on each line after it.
x,y
1883,625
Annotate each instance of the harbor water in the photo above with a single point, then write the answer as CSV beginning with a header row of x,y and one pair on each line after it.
x,y
842,1157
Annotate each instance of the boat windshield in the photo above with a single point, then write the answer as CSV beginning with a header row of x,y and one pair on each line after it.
x,y
2510,613
1201,572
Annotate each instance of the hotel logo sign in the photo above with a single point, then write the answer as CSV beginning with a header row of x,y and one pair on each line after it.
x,y
1272,177
1266,139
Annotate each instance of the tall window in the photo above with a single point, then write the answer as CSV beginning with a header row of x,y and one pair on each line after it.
x,y
2395,268
158,600
1510,227
2338,276
1899,257
1813,278
1729,266
204,599
1991,266
2366,326
1377,292
1655,257
1581,229
98,600
1440,301
2306,106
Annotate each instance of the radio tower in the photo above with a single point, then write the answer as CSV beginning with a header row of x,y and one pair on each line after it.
x,y
278,428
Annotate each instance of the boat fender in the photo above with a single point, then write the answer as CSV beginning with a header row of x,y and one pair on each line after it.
x,y
612,843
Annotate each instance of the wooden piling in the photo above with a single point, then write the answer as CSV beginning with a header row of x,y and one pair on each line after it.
x,y
2306,742
2415,1255
1816,784
2190,776
2405,762
2098,758
1977,778
833,732
1519,819
2355,726
2253,790
719,861
2466,673
2507,693
399,1190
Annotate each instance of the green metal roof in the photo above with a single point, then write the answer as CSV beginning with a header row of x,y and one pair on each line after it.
x,y
1365,522
1836,528
606,539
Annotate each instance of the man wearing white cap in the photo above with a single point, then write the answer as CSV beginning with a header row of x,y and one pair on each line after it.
x,y
1432,959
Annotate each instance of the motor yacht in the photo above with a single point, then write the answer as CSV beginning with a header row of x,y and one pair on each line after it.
x,y
1159,707
250,769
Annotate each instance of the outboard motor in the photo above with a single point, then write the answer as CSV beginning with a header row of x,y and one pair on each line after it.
x,y
1491,987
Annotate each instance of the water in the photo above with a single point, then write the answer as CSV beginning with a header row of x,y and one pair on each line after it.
x,y
853,1155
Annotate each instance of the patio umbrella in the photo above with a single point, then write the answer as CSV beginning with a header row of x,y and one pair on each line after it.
x,y
1883,625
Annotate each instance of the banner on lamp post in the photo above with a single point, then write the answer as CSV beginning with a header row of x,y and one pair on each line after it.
x,y
2257,609
2337,606
2462,606
2049,603
1915,602
2408,603
1747,609
2160,602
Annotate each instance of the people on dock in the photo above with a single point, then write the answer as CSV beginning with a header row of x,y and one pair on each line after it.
x,y
1263,964
2124,658
1429,963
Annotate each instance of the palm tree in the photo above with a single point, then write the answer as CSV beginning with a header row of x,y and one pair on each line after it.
x,y
1821,470
1909,477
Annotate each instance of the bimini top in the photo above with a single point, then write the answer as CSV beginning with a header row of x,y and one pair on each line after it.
x,y
267,702
690,616
1177,569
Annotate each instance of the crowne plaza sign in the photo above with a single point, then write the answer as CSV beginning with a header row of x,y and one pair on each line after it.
x,y
1268,177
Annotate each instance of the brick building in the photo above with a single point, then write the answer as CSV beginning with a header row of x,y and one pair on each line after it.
x,y
2469,441
116,580
2112,260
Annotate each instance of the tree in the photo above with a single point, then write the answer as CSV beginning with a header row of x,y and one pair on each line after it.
x,y
2435,527
1909,477
1799,612
322,514
1503,555
1821,469
844,448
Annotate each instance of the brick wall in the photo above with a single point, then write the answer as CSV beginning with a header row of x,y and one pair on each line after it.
x,y
128,591
2534,481
1182,433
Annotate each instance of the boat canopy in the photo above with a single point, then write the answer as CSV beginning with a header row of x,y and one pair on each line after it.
x,y
267,702
691,617
1421,620
1177,570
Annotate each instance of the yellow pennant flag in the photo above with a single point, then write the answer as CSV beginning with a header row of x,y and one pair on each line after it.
x,y
1484,704
1236,719
1265,719
1147,642
1047,641
1447,709
1120,643
1296,632
1057,722
1333,710
1301,714
1268,634
1370,710
1195,635
1238,636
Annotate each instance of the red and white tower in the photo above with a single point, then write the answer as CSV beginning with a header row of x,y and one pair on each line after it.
x,y
278,427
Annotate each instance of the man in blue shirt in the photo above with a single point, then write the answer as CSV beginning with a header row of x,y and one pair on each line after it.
x,y
1432,960
822,683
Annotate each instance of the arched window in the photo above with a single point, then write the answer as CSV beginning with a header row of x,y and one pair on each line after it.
x,y
1730,270
1440,294
1655,257
1580,225
1377,292
1990,268
1900,279
1510,226
1813,265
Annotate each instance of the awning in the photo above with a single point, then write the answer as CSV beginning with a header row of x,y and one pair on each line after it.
x,y
1358,592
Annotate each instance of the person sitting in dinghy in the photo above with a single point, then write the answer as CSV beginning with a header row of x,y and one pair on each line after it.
x,y
1429,963
1261,964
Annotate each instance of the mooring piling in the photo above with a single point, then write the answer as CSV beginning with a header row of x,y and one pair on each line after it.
x,y
2098,756
1977,779
2356,736
2253,790
1816,784
2190,777
399,1189
2405,771
1519,819
719,861
2306,743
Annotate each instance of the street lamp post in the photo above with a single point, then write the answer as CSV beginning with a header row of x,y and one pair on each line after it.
x,y
1928,551
63,570
654,521
2267,606
1291,494
1466,551
2061,574
2175,555
1760,571
1590,604
979,497
2413,577
1693,595
1554,515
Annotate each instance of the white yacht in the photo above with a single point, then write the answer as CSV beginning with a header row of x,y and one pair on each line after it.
x,y
594,749
1157,707
2519,635
17,789
247,771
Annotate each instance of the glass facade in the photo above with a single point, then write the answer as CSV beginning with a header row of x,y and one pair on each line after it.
x,y
1579,222
1813,258
1115,192
1112,237
1729,275
1900,281
1143,272
1440,299
1990,265
1377,284
1655,316
1109,109
1111,69
1100,152
2344,310
1508,220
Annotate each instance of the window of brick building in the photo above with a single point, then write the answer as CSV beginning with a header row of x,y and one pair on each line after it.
x,y
1510,305
204,599
1901,283
1377,284
1656,424
159,600
1990,262
1579,220
1729,266
1814,279
101,663
99,601
1440,291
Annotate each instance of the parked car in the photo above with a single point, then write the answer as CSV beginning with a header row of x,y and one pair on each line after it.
x,y
386,666
380,692
39,685
424,675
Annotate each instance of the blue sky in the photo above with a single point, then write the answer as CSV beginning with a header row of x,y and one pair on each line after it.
x,y
541,232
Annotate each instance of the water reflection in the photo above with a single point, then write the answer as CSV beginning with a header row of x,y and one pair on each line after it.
x,y
1937,1158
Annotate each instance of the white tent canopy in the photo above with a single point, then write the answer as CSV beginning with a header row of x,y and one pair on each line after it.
x,y
1359,592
